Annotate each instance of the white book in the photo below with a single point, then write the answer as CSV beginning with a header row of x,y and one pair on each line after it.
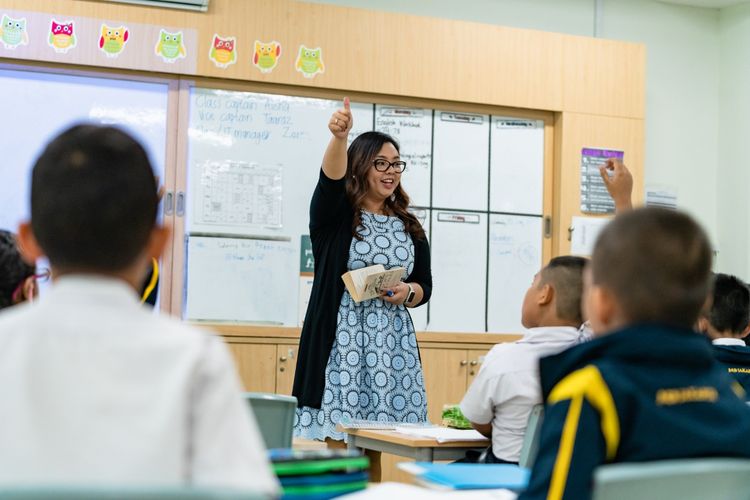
x,y
369,282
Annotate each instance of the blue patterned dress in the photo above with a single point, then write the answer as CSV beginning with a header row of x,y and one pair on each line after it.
x,y
373,371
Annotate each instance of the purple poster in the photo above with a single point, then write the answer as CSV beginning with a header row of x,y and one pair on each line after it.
x,y
594,196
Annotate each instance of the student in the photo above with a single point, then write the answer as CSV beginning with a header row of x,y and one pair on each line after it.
x,y
647,388
727,323
96,388
500,399
17,277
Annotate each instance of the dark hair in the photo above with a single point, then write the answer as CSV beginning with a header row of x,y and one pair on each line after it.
x,y
730,308
13,269
565,274
657,263
93,199
359,157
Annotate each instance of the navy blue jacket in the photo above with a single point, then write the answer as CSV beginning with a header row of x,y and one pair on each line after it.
x,y
648,392
736,359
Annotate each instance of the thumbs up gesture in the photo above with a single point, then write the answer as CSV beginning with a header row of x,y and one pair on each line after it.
x,y
341,121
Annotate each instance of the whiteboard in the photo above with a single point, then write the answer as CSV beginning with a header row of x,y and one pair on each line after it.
x,y
516,165
44,104
459,268
460,161
419,315
232,131
236,279
412,128
515,256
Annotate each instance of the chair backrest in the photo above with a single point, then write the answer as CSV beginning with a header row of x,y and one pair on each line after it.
x,y
530,444
275,416
123,493
695,478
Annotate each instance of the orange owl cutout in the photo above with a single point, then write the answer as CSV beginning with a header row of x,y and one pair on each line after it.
x,y
266,55
112,40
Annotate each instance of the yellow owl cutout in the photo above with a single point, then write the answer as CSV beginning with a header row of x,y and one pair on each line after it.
x,y
266,55
112,40
309,61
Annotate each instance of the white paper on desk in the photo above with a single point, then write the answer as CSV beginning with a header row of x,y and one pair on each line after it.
x,y
584,232
442,434
398,490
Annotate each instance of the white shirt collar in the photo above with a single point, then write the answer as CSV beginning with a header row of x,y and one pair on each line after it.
x,y
91,287
550,334
728,341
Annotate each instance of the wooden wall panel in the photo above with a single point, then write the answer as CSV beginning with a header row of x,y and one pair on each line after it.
x,y
574,131
402,55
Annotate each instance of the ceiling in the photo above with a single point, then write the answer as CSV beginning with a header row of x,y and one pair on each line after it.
x,y
710,4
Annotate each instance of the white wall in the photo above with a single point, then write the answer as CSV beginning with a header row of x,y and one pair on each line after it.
x,y
734,136
682,82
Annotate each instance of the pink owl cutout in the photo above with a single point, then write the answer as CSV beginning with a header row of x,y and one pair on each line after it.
x,y
61,36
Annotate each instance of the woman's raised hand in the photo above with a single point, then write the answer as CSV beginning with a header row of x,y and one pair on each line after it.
x,y
341,121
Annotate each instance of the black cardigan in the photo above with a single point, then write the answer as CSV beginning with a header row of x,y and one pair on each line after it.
x,y
331,217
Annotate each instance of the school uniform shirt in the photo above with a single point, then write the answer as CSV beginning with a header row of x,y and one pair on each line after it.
x,y
735,356
97,389
507,386
647,392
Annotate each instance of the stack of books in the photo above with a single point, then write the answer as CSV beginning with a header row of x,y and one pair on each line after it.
x,y
319,474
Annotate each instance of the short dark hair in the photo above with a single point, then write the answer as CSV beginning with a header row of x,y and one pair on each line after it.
x,y
730,308
565,274
13,269
657,263
93,199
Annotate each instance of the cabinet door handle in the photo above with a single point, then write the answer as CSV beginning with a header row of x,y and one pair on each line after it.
x,y
281,369
471,372
464,362
473,363
282,358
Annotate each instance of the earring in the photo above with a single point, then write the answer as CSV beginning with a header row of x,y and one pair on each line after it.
x,y
393,197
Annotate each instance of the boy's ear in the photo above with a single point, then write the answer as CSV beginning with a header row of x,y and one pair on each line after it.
x,y
602,310
745,332
702,325
157,242
545,295
28,247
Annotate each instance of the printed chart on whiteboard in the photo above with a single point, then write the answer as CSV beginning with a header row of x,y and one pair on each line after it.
x,y
594,196
239,193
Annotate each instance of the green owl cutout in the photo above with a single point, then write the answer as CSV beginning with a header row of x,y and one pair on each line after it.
x,y
309,61
13,32
113,39
170,46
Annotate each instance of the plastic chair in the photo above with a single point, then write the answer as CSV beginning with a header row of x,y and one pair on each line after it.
x,y
124,493
275,416
530,445
695,478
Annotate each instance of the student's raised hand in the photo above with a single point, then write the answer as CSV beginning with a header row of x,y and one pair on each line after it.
x,y
341,121
620,185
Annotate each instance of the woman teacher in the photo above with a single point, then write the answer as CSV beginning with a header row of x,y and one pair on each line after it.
x,y
361,360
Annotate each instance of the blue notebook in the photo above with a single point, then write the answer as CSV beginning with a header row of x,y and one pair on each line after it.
x,y
474,476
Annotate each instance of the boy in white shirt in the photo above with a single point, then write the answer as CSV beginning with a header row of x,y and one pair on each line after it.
x,y
96,388
500,399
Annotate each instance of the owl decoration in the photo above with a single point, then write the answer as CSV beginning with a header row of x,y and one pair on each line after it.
x,y
112,41
13,32
223,52
61,36
309,61
266,55
170,46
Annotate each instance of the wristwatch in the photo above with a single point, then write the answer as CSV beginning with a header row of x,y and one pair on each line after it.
x,y
411,294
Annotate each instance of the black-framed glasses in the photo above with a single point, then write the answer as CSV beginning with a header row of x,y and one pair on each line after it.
x,y
383,165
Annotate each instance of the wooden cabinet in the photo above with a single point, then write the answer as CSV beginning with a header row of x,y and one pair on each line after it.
x,y
448,373
256,364
286,363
